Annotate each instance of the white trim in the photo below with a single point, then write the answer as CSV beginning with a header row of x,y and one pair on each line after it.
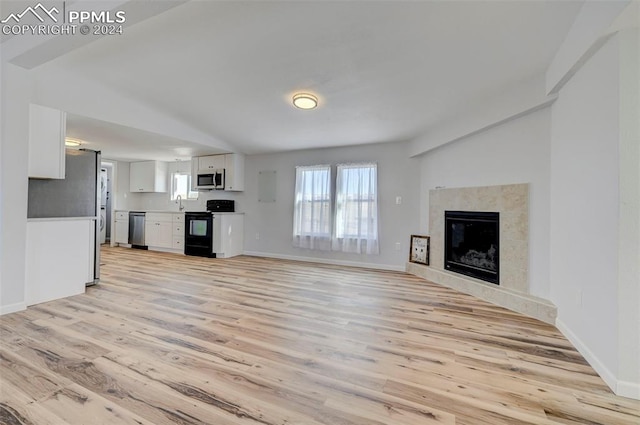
x,y
326,261
161,249
629,389
12,308
525,99
593,24
607,376
114,183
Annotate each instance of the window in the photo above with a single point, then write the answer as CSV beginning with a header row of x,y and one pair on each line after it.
x,y
356,217
181,185
312,207
350,226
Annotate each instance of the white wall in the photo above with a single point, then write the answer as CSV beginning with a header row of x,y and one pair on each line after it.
x,y
273,221
584,205
514,152
120,180
629,224
16,93
587,221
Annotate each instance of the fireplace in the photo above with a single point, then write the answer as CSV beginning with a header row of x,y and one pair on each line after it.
x,y
472,244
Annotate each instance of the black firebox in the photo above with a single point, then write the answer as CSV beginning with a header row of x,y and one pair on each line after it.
x,y
472,244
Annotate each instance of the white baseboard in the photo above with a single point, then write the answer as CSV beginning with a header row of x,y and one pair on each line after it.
x,y
629,389
607,376
12,308
161,249
326,261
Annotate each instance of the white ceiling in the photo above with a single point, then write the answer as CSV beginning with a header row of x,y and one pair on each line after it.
x,y
123,143
383,71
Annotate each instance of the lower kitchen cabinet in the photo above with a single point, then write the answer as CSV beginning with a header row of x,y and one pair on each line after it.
x,y
60,258
122,227
228,234
158,230
164,231
178,232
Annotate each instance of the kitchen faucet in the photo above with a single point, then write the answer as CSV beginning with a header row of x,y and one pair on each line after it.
x,y
179,201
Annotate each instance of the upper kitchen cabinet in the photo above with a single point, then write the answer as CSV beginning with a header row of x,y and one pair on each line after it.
x,y
210,162
148,176
47,129
231,163
234,172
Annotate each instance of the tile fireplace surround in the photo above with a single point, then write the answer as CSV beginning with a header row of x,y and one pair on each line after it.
x,y
512,202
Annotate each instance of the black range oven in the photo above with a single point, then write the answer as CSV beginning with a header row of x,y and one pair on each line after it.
x,y
198,233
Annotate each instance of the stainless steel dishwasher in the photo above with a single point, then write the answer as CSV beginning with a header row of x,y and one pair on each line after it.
x,y
136,229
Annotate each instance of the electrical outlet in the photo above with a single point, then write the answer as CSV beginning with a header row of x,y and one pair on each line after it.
x,y
398,200
397,246
257,236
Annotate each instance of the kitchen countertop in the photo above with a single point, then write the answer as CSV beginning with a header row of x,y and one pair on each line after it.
x,y
162,211
61,219
174,212
151,211
216,212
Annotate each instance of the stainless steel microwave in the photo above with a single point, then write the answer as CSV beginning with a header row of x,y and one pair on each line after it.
x,y
210,179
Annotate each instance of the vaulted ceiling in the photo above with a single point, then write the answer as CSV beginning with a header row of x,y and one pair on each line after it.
x,y
383,71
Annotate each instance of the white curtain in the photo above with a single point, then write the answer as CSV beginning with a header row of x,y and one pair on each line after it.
x,y
356,218
312,207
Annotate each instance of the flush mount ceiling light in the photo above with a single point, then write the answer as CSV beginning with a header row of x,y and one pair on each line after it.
x,y
305,101
73,143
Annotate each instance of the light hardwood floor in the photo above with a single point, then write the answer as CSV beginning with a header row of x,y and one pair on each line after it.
x,y
167,339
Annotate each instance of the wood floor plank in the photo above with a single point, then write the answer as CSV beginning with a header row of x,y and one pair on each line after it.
x,y
18,408
75,404
169,339
231,391
18,374
386,414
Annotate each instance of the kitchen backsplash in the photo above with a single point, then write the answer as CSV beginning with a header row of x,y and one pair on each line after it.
x,y
161,201
126,200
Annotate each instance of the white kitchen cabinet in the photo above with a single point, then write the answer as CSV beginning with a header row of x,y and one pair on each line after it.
x,y
204,165
148,176
158,230
47,129
228,234
210,162
234,172
232,163
178,232
194,173
122,227
60,258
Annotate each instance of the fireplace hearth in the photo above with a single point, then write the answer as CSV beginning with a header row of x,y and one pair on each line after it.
x,y
511,201
472,244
